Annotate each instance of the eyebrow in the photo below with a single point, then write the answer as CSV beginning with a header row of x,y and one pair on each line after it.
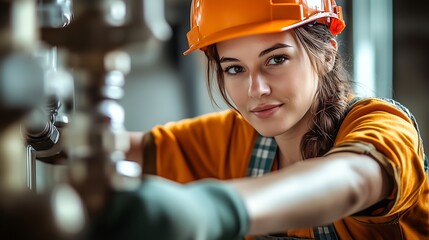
x,y
265,52
227,59
274,47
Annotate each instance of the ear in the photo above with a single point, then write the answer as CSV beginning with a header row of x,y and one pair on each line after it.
x,y
330,58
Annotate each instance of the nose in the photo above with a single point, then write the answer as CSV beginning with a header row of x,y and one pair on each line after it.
x,y
258,86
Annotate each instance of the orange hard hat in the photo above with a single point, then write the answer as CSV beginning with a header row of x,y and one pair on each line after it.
x,y
213,21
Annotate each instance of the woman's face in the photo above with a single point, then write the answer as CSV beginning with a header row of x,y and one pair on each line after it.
x,y
270,80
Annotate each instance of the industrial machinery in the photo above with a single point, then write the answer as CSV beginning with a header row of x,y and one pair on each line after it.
x,y
61,76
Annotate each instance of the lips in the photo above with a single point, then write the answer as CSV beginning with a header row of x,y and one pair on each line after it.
x,y
266,111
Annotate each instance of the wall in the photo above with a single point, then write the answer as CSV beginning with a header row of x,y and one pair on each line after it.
x,y
411,61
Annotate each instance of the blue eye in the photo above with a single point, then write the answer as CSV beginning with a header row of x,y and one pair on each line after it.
x,y
232,70
275,60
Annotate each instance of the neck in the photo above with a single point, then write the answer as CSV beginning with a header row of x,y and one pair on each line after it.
x,y
289,151
289,143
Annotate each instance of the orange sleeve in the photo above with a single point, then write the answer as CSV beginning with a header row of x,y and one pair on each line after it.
x,y
388,134
216,145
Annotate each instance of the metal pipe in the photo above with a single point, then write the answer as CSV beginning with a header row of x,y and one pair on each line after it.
x,y
12,165
95,138
24,214
31,168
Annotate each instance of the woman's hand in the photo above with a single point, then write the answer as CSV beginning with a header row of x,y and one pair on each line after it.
x,y
163,210
135,153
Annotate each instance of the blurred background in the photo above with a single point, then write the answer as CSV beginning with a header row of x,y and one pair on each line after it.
x,y
120,65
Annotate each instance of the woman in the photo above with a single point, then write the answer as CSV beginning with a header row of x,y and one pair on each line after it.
x,y
339,167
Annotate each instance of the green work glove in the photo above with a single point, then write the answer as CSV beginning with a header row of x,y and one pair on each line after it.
x,y
163,210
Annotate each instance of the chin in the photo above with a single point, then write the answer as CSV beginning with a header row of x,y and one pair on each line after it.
x,y
268,132
267,128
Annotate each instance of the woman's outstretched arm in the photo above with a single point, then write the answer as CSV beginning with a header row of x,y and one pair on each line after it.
x,y
313,192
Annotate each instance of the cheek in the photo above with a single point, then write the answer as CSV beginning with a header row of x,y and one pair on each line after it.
x,y
305,80
291,82
236,92
313,82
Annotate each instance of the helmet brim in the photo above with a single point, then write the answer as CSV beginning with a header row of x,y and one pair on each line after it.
x,y
252,29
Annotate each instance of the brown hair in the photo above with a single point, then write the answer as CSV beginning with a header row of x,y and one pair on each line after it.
x,y
334,87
